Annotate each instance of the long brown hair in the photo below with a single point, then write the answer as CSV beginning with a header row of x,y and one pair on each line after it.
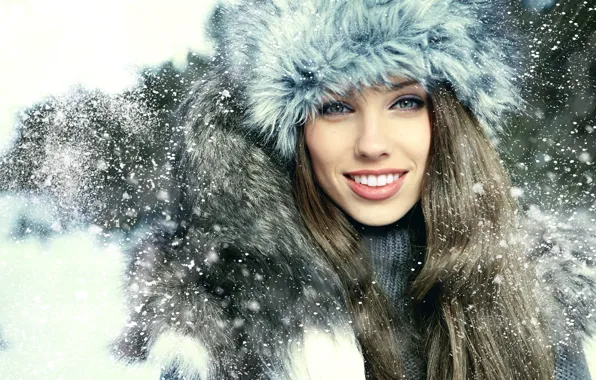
x,y
474,302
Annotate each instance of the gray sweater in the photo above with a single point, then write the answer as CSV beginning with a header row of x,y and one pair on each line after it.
x,y
397,253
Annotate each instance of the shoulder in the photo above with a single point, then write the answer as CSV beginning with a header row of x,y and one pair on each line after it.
x,y
562,251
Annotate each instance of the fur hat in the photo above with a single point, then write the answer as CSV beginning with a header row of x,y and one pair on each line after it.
x,y
283,56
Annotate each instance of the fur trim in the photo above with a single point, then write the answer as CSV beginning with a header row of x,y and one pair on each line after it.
x,y
285,56
236,272
564,253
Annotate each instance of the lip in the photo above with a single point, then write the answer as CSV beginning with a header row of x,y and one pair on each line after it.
x,y
377,193
377,172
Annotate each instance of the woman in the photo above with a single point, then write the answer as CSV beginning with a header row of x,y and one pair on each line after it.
x,y
345,214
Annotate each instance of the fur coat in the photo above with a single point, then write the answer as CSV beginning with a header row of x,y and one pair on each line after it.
x,y
234,288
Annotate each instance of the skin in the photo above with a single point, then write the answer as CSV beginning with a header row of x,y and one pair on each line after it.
x,y
374,129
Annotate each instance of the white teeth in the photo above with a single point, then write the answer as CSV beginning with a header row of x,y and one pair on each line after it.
x,y
375,181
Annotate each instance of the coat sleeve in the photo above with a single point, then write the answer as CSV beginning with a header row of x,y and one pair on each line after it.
x,y
570,363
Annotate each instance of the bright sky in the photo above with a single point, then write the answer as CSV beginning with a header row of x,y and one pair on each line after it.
x,y
48,46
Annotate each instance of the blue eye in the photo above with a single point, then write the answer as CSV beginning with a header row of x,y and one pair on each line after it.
x,y
409,103
334,108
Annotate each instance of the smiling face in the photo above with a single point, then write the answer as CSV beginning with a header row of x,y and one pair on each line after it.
x,y
369,151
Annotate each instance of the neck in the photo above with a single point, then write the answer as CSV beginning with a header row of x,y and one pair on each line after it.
x,y
413,221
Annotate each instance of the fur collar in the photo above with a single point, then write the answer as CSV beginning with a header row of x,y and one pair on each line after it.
x,y
234,289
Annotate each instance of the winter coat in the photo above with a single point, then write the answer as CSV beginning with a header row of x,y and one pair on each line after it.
x,y
235,288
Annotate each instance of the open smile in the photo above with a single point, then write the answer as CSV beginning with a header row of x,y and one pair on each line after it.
x,y
375,188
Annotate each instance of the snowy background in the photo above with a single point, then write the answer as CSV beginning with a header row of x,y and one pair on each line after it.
x,y
60,298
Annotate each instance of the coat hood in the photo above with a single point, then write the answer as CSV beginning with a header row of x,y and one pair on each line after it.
x,y
282,57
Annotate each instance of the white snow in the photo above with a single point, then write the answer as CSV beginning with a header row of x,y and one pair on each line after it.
x,y
516,192
590,350
478,188
61,303
585,157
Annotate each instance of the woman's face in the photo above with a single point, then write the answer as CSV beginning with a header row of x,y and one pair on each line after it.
x,y
369,151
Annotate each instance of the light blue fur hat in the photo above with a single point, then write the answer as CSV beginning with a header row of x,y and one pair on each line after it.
x,y
282,57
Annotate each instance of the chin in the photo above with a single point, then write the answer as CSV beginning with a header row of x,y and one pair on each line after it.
x,y
377,219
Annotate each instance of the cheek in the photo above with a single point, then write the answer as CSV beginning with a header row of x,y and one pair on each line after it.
x,y
321,150
423,148
415,142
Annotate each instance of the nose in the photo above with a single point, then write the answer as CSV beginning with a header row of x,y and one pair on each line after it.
x,y
373,140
